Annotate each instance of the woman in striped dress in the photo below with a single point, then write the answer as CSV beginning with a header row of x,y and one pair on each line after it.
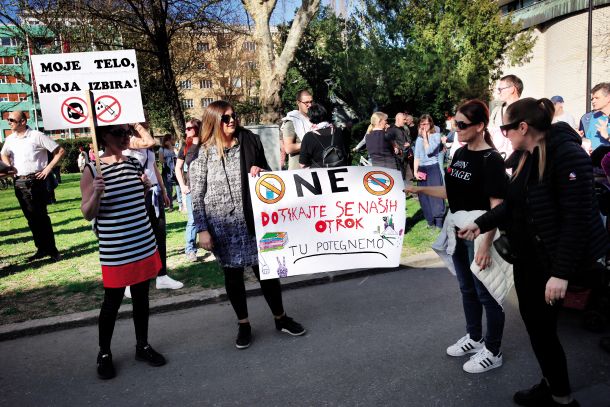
x,y
114,200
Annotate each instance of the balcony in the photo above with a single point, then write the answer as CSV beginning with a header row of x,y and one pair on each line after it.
x,y
548,10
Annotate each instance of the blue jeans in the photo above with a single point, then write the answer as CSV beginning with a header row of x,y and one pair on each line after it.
x,y
475,297
190,234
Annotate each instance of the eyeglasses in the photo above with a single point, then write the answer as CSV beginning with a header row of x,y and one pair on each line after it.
x,y
510,126
463,125
307,102
506,87
11,120
189,128
226,118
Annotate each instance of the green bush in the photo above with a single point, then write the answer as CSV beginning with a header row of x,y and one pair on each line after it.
x,y
69,162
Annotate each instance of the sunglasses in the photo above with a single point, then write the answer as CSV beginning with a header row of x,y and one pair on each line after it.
x,y
463,125
11,120
226,118
189,128
510,126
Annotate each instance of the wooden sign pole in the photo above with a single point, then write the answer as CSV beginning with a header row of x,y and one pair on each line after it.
x,y
92,123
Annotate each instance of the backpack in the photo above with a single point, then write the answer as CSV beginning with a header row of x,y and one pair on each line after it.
x,y
332,156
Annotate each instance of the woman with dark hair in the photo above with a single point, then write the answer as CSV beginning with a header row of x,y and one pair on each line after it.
x,y
188,152
322,136
222,210
554,229
427,170
474,181
114,200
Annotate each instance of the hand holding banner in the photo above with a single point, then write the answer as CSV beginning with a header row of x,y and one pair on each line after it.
x,y
316,220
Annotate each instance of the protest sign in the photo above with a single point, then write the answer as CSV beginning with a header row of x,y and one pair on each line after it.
x,y
63,82
316,220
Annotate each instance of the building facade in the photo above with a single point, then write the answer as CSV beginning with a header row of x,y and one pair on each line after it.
x,y
15,81
225,68
559,60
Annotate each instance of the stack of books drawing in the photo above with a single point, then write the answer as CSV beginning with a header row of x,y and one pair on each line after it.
x,y
273,241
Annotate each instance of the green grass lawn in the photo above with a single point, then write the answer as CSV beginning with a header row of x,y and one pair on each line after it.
x,y
38,289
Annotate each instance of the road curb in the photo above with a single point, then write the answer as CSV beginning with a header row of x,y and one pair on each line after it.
x,y
204,297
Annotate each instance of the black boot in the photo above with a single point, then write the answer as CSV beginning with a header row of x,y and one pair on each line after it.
x,y
147,354
105,368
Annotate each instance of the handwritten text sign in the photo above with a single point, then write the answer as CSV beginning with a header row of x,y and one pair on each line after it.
x,y
63,79
317,220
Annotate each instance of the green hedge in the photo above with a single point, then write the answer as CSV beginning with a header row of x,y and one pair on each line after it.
x,y
70,161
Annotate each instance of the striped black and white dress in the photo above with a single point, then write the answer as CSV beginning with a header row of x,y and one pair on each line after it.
x,y
128,250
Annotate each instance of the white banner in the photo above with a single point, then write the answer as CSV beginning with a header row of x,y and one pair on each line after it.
x,y
316,220
62,82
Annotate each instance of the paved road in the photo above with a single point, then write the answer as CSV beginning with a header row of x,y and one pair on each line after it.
x,y
374,341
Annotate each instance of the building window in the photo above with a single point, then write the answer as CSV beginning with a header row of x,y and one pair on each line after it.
x,y
249,46
3,98
251,65
186,84
203,66
237,82
205,84
23,98
187,103
18,80
3,79
223,41
9,42
17,61
205,102
203,46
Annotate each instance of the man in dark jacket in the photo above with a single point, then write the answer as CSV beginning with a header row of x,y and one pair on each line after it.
x,y
402,137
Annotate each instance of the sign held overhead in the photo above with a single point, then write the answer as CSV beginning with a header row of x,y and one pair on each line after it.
x,y
63,79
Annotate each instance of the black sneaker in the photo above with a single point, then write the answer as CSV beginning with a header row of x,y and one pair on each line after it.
x,y
290,326
105,368
244,335
38,255
536,396
148,354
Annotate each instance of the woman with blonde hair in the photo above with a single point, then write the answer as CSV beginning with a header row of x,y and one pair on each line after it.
x,y
381,146
223,212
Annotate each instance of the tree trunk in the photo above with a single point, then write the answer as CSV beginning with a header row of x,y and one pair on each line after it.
x,y
272,68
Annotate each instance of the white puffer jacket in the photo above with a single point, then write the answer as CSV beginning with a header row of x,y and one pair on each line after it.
x,y
497,278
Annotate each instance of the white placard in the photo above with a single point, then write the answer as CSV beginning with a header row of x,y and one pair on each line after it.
x,y
316,220
62,82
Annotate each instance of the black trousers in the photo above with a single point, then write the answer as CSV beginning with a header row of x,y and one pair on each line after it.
x,y
110,308
236,291
541,323
158,227
32,195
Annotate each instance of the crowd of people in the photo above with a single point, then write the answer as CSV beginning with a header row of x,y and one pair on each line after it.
x,y
511,174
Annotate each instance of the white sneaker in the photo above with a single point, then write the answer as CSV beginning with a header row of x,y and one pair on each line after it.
x,y
127,292
168,282
483,361
464,346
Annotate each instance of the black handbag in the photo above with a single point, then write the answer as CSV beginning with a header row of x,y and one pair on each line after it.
x,y
502,246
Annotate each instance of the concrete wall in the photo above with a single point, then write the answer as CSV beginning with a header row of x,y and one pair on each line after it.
x,y
558,66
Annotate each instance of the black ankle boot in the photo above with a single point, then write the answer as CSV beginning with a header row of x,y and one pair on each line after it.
x,y
105,367
244,335
537,395
147,354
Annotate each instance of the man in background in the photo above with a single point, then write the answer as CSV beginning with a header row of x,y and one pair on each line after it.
x,y
294,126
25,150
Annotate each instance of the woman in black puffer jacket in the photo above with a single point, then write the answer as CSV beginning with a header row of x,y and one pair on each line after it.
x,y
554,229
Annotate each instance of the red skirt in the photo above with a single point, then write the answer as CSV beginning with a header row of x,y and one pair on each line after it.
x,y
131,273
